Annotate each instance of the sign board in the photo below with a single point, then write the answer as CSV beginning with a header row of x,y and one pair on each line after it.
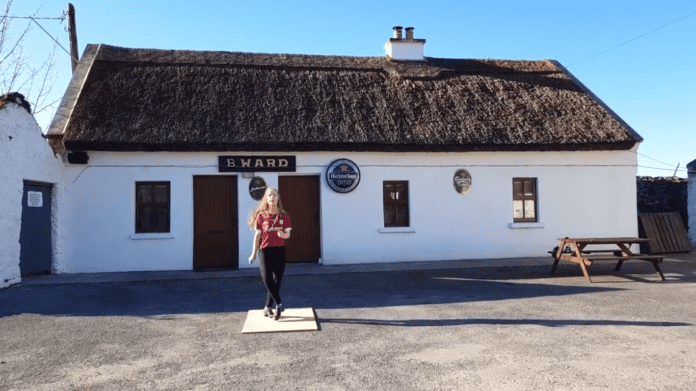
x,y
257,187
256,163
462,181
34,199
343,176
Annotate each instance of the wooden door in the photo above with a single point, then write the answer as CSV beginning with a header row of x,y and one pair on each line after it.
x,y
35,229
215,240
300,197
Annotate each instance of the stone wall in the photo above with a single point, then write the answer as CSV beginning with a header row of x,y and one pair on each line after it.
x,y
663,195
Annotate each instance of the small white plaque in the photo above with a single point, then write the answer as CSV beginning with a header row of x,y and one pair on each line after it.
x,y
34,199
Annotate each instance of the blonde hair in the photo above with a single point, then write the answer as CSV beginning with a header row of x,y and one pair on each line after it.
x,y
263,207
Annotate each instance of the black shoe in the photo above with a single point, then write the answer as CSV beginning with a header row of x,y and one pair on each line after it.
x,y
267,312
279,309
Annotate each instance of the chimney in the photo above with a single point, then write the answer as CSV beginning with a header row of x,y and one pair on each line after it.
x,y
409,32
409,49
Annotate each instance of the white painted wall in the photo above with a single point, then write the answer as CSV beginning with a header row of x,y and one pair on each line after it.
x,y
574,200
691,207
24,154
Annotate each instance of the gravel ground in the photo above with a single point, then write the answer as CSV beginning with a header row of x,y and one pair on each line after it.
x,y
503,328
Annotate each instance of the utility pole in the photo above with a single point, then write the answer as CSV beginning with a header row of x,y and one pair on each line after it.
x,y
675,170
72,31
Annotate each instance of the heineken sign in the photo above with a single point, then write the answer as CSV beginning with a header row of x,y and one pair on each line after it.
x,y
343,176
256,163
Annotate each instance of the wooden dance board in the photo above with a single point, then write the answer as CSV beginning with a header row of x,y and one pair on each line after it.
x,y
292,319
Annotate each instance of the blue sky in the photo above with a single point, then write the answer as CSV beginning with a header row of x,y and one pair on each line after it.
x,y
639,57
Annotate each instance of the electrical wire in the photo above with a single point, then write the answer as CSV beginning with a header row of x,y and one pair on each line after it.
x,y
631,40
34,19
62,18
61,46
667,164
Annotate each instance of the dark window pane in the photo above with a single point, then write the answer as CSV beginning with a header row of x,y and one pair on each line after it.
x,y
400,194
161,194
517,188
389,215
152,209
144,193
528,188
144,219
395,203
402,215
161,220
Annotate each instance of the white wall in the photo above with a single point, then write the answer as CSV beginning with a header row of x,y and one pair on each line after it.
x,y
24,154
574,200
691,207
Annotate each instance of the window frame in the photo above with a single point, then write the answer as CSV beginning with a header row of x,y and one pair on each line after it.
x,y
153,205
534,197
388,202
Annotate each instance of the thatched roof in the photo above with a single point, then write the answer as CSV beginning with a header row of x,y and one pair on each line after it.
x,y
161,100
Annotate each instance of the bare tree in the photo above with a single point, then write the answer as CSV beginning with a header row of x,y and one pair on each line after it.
x,y
20,73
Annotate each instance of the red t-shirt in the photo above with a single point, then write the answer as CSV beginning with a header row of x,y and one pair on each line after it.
x,y
270,225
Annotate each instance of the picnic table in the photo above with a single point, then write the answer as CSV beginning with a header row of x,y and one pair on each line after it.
x,y
576,250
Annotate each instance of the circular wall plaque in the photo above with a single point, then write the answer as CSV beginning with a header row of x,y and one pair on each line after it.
x,y
257,187
462,181
343,176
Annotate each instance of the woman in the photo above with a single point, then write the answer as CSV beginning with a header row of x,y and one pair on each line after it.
x,y
272,225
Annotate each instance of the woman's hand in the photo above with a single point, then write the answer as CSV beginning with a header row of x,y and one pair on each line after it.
x,y
252,258
283,235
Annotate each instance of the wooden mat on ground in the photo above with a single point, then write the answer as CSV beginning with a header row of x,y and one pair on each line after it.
x,y
292,319
666,233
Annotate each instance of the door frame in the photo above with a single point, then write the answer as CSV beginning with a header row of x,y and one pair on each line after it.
x,y
320,242
51,238
193,220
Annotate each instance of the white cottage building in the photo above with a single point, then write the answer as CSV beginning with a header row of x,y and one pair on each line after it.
x,y
29,191
691,201
378,159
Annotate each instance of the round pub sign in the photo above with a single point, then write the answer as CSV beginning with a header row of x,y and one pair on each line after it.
x,y
343,176
257,187
462,181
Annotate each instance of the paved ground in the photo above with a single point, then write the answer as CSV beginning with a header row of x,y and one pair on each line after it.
x,y
452,325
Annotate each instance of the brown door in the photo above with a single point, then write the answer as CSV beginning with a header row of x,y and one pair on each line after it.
x,y
300,197
215,241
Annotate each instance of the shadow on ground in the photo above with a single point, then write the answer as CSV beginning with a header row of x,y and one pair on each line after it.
x,y
324,291
503,322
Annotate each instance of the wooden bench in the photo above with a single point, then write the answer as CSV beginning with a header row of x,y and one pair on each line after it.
x,y
573,250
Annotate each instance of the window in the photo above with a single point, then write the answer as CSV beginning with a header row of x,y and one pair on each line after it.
x,y
151,207
396,204
524,200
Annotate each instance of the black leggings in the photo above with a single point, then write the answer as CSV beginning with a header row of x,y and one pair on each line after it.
x,y
272,262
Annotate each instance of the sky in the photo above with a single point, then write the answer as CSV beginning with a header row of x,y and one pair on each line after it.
x,y
638,57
